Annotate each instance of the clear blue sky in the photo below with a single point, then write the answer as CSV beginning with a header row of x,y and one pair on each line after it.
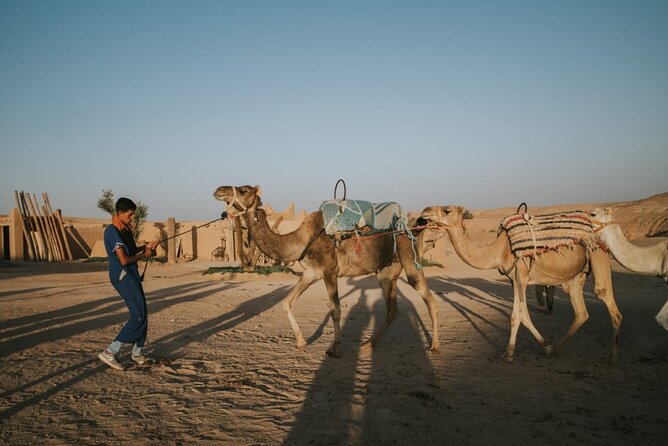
x,y
479,103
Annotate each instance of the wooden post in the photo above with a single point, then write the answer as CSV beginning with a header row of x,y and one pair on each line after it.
x,y
48,229
32,228
54,227
27,237
40,230
59,217
51,231
53,255
171,242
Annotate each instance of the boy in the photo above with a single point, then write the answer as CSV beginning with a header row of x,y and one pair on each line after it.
x,y
124,276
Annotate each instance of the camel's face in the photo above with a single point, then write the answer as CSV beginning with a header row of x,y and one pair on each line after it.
x,y
602,215
443,215
240,198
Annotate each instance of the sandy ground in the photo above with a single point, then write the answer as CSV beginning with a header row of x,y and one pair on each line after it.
x,y
235,377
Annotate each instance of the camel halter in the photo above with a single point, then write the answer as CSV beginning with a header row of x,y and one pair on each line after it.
x,y
235,200
441,226
600,225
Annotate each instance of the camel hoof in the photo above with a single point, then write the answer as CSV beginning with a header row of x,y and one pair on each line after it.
x,y
549,350
334,352
300,344
433,349
506,358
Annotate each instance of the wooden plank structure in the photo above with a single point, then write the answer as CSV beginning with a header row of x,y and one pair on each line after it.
x,y
26,234
43,229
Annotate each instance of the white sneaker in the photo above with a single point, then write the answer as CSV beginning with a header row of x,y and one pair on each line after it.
x,y
142,359
110,360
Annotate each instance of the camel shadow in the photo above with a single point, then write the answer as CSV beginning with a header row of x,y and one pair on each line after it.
x,y
494,297
350,396
362,283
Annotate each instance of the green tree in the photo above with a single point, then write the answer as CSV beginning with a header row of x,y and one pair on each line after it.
x,y
106,201
107,204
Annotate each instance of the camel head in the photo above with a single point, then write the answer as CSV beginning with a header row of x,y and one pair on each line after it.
x,y
239,199
600,216
447,216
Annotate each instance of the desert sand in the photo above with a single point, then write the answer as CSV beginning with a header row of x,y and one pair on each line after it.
x,y
228,372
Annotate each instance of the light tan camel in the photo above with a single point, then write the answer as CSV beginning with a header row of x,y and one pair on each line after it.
x,y
322,259
566,267
651,260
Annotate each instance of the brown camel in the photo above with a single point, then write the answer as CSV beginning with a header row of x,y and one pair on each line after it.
x,y
323,259
566,267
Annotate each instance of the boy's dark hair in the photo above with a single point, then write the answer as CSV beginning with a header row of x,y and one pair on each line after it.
x,y
125,204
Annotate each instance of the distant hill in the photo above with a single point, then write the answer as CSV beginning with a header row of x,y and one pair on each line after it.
x,y
647,217
643,218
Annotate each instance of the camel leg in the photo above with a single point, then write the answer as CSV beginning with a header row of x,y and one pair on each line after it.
x,y
387,278
515,319
417,280
303,283
521,315
419,283
600,268
574,289
330,279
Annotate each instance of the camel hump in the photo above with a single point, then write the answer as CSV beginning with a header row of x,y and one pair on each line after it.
x,y
349,215
534,234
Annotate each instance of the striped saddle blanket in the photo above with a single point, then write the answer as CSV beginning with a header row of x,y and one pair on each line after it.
x,y
535,234
354,215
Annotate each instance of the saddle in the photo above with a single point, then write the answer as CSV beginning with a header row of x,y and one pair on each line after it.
x,y
347,216
535,234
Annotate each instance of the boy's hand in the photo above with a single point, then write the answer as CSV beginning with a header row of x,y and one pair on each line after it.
x,y
148,249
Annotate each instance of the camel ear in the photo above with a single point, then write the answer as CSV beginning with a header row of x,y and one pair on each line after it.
x,y
460,209
258,191
608,211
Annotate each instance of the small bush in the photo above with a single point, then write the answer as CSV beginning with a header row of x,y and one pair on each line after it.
x,y
263,270
426,262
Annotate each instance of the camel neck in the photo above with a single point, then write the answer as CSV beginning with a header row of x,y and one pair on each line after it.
x,y
283,247
646,260
488,256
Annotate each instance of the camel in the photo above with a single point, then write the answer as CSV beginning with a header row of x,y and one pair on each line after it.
x,y
567,267
652,260
322,259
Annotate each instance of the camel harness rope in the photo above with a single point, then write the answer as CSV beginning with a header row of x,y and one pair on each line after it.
x,y
146,262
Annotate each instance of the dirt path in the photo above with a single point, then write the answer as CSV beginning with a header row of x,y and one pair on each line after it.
x,y
235,377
